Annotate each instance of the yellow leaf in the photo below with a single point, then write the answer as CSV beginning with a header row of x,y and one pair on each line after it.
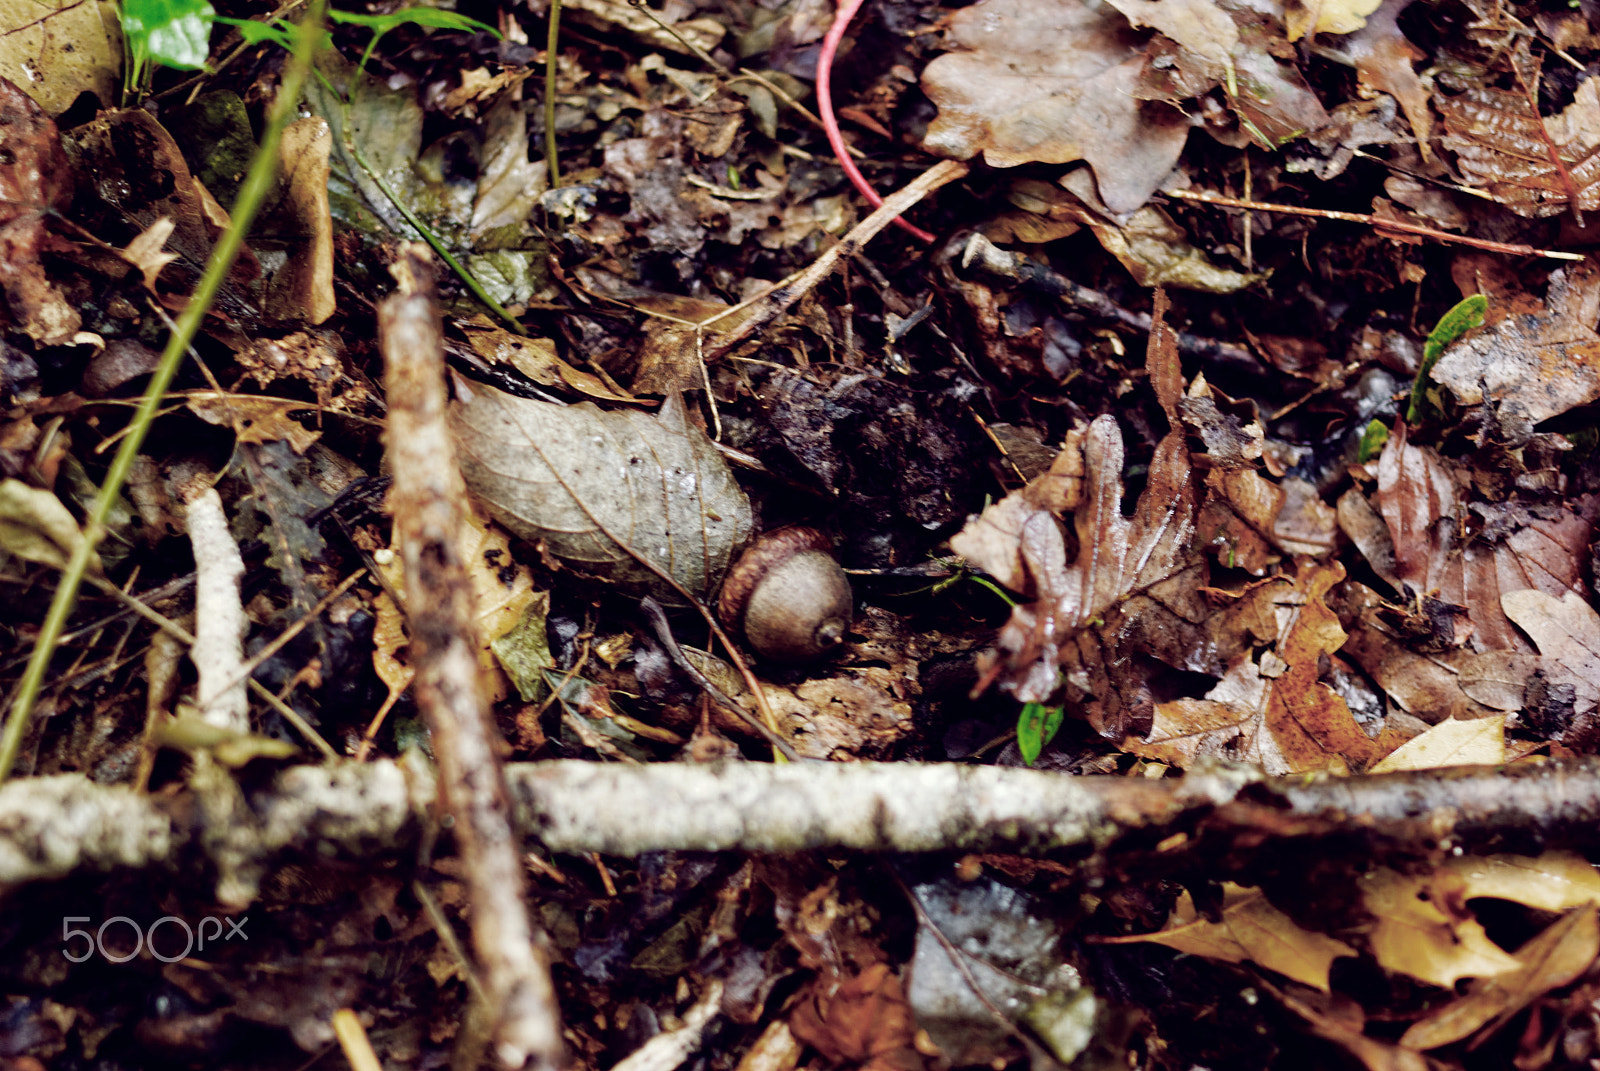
x,y
1251,929
1554,958
1421,928
1554,881
1476,742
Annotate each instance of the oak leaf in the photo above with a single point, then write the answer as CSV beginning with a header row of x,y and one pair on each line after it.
x,y
1421,927
1555,957
1250,929
1032,82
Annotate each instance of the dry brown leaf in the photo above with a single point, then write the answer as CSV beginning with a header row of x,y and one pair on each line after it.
x,y
1557,956
1250,929
602,490
1422,928
1503,144
148,251
1533,366
1516,547
1340,1020
61,48
1567,631
535,358
1383,58
297,226
1287,723
863,1021
35,178
255,419
1052,82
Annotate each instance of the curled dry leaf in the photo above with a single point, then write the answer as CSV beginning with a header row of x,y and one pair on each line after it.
x,y
606,492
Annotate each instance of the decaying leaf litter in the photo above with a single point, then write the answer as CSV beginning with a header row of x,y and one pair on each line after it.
x,y
1123,442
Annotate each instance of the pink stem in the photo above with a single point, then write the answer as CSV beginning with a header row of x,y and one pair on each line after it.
x,y
830,45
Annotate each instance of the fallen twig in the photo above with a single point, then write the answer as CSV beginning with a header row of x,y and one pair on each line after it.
x,y
429,503
1512,248
53,826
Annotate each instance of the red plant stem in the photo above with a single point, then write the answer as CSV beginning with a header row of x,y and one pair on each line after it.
x,y
830,45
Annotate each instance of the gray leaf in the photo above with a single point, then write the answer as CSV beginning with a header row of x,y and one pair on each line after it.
x,y
588,483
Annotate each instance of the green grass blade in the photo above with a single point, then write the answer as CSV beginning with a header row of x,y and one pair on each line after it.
x,y
256,184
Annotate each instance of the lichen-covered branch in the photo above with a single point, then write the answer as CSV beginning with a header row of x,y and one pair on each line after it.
x,y
54,826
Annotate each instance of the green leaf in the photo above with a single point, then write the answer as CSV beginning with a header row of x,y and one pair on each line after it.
x,y
1372,441
1037,726
1462,317
173,33
279,33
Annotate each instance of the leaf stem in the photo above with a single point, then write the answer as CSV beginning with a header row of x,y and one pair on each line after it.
x,y
551,42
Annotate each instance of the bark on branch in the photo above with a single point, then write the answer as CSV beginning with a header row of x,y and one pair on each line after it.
x,y
53,826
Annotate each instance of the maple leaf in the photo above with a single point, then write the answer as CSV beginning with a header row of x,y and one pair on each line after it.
x,y
1502,143
1250,929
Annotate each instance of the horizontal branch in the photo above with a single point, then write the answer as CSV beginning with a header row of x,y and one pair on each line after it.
x,y
51,827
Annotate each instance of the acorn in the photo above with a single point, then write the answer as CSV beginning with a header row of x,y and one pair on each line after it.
x,y
788,596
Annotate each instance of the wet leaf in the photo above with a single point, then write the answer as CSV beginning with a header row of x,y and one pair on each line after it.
x,y
171,33
1422,928
597,488
1504,145
1250,929
1421,500
1554,958
1533,366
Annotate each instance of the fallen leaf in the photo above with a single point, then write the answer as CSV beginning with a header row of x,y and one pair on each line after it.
x,y
1481,742
1250,929
61,48
1054,82
1562,952
1515,547
1288,722
1553,881
1533,366
1502,144
598,488
35,526
1567,631
1421,928
535,358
